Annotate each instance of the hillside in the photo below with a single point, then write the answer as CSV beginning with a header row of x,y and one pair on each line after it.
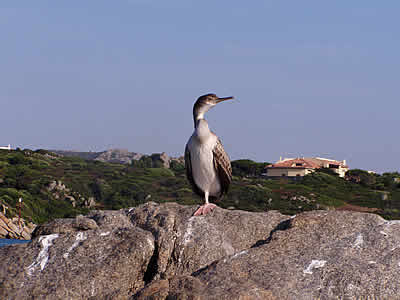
x,y
54,186
120,156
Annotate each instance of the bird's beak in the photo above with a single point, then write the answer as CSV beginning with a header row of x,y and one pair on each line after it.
x,y
223,99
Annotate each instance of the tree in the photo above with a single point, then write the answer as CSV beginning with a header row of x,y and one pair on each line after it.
x,y
365,178
247,167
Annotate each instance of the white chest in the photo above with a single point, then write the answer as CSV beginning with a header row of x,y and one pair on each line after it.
x,y
202,160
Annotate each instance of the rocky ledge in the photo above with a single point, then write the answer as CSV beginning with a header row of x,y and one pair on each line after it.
x,y
15,228
160,251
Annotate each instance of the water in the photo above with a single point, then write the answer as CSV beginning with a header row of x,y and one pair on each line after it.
x,y
5,242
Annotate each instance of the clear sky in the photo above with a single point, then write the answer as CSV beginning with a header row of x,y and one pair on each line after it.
x,y
310,78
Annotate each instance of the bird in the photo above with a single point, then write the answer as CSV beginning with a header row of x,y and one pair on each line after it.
x,y
208,167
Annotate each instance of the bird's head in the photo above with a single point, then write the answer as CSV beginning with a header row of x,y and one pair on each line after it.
x,y
204,103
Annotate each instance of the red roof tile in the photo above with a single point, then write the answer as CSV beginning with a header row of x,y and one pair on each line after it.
x,y
298,163
305,163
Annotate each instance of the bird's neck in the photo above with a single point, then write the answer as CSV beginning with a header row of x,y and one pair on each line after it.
x,y
197,119
202,130
198,113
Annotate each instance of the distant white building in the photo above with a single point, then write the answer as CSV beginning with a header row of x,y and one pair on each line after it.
x,y
293,167
6,148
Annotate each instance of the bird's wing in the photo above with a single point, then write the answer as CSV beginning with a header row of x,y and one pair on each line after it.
x,y
222,165
189,173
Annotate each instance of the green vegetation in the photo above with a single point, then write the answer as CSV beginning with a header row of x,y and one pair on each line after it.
x,y
52,186
247,167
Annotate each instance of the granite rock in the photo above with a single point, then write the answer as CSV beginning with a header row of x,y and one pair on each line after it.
x,y
315,255
14,228
160,251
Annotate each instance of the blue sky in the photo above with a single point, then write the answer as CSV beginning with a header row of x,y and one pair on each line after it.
x,y
310,78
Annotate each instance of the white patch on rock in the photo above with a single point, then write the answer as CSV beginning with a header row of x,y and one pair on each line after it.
x,y
92,290
384,233
79,237
194,226
371,262
359,241
187,236
239,253
315,264
43,257
393,222
189,231
104,233
350,287
150,242
229,250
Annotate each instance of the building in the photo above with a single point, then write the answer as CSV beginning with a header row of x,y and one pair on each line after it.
x,y
294,167
6,148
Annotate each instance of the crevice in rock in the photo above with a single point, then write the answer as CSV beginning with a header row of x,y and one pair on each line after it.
x,y
199,271
174,256
284,225
152,267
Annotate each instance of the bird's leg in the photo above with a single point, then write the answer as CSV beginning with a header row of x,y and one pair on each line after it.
x,y
206,208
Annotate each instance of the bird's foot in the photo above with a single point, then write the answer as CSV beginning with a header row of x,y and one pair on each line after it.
x,y
204,209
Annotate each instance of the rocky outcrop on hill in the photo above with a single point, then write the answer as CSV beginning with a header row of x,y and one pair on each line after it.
x,y
123,156
120,156
164,160
160,251
12,229
60,192
70,153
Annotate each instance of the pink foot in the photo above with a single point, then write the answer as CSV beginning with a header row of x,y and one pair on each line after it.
x,y
204,209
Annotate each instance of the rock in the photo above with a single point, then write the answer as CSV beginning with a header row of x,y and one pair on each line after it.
x,y
3,232
77,265
4,220
179,160
185,243
90,202
167,160
160,251
57,186
316,255
25,235
12,229
163,158
80,223
60,191
120,156
111,219
71,200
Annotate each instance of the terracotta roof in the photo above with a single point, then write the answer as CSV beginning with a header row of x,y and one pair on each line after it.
x,y
305,163
321,161
297,163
